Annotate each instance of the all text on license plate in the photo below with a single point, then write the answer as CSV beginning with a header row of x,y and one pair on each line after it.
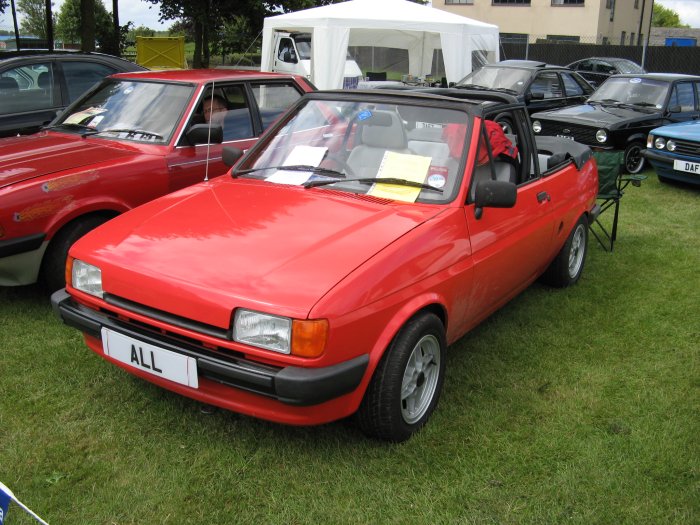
x,y
150,358
684,165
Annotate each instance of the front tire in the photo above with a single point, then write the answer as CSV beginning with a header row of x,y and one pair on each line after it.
x,y
634,162
53,266
567,266
406,385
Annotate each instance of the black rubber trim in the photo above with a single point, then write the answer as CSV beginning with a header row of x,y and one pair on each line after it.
x,y
291,385
165,317
659,157
21,244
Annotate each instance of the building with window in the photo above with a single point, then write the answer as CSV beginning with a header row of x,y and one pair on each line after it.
x,y
624,22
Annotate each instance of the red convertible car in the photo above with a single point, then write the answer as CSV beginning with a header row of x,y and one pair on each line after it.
x,y
327,274
132,138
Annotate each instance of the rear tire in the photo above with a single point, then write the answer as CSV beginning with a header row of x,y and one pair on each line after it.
x,y
53,266
567,266
406,385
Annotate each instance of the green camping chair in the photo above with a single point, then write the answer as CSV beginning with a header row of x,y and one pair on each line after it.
x,y
612,182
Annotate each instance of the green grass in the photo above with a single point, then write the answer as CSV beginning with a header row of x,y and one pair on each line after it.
x,y
567,406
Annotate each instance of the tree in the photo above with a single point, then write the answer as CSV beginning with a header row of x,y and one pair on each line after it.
x,y
665,17
71,20
34,20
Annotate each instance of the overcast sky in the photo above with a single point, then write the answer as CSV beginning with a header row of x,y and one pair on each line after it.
x,y
146,14
689,10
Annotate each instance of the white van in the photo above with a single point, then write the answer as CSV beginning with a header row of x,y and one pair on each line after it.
x,y
292,54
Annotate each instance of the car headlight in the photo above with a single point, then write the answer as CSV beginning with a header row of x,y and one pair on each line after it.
x,y
660,143
262,330
301,337
536,126
601,135
671,145
86,277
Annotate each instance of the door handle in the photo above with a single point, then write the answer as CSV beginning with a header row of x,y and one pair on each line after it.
x,y
543,196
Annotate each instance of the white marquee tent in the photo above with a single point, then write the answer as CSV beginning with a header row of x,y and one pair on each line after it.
x,y
384,23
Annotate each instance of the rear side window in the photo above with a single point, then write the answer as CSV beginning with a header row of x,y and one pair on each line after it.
x,y
27,88
273,100
81,76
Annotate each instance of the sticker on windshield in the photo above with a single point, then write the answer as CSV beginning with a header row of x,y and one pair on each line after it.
x,y
128,90
364,114
635,80
437,177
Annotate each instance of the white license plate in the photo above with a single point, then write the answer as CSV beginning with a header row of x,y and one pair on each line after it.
x,y
149,358
684,165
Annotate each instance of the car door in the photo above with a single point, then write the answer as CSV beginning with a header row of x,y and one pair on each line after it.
x,y
29,96
242,125
510,246
682,104
286,58
545,92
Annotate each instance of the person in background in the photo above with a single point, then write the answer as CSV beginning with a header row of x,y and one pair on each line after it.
x,y
214,109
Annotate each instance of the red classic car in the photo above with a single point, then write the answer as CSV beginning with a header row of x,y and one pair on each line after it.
x,y
328,273
132,138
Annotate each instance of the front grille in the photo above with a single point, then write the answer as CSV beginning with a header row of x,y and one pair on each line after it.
x,y
688,148
168,318
582,134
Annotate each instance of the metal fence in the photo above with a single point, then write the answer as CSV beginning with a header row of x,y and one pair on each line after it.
x,y
660,59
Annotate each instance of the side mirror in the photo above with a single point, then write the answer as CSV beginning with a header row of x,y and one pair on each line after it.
x,y
494,194
674,109
534,96
205,134
230,155
289,56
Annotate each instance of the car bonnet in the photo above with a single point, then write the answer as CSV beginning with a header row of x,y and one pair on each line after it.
x,y
41,154
594,114
215,246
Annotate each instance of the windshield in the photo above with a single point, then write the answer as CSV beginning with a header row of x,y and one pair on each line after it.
x,y
625,66
350,146
636,91
129,110
508,78
304,48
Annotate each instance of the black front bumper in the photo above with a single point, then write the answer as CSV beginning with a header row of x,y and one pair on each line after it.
x,y
21,245
292,384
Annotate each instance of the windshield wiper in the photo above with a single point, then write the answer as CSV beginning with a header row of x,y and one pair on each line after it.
x,y
472,86
142,132
373,180
68,125
506,90
605,101
295,167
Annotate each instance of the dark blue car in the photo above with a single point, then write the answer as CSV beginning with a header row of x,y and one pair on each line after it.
x,y
674,152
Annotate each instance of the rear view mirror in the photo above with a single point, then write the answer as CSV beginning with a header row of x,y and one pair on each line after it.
x,y
230,155
205,134
495,194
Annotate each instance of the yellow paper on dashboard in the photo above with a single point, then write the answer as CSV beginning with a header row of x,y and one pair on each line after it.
x,y
400,166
